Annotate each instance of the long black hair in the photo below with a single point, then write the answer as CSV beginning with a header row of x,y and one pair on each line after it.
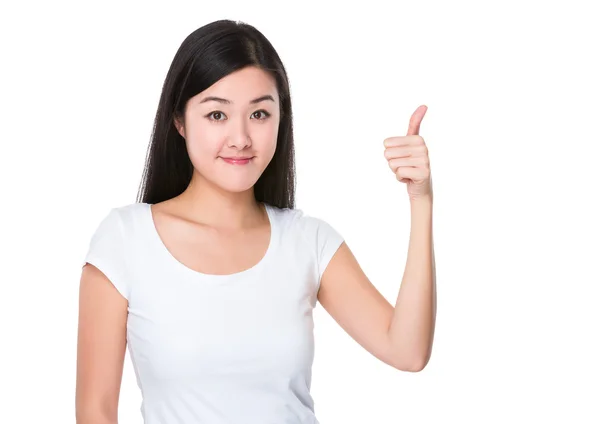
x,y
205,56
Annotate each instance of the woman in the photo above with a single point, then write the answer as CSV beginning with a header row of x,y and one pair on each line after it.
x,y
211,276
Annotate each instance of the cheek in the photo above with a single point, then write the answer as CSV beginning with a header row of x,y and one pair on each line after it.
x,y
204,140
264,137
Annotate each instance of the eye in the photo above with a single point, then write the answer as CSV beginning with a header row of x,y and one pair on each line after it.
x,y
216,116
266,114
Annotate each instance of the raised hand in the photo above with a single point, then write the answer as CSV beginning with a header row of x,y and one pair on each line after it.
x,y
408,158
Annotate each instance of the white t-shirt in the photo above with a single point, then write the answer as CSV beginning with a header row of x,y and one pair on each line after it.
x,y
219,349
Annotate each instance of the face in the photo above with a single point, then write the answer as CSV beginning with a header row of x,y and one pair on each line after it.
x,y
237,117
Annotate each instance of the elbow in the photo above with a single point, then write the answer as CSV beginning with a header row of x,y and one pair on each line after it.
x,y
93,415
410,368
93,419
418,367
414,365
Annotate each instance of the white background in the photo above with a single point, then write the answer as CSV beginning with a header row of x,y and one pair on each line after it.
x,y
512,127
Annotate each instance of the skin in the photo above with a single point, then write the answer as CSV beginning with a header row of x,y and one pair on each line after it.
x,y
400,335
219,210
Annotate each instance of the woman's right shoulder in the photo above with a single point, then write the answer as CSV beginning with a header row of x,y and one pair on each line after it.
x,y
126,215
111,243
121,222
129,210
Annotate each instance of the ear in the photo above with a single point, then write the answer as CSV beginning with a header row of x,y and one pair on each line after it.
x,y
178,122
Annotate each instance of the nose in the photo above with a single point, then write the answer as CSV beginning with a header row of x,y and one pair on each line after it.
x,y
238,135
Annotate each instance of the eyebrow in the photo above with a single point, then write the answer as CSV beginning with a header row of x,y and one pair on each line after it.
x,y
225,101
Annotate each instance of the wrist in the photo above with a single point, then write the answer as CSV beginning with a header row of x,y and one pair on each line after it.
x,y
426,200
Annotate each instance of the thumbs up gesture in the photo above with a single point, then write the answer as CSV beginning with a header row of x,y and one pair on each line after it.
x,y
408,158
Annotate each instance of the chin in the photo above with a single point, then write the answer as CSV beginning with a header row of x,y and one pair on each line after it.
x,y
237,186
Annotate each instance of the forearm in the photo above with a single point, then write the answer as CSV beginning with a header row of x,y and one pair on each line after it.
x,y
413,323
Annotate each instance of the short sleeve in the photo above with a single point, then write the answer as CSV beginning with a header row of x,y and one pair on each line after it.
x,y
106,251
328,241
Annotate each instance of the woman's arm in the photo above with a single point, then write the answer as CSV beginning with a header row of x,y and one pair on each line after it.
x,y
412,328
101,347
400,336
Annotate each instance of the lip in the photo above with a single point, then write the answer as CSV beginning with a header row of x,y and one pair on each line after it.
x,y
238,160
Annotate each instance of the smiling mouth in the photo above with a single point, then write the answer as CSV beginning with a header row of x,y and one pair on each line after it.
x,y
238,161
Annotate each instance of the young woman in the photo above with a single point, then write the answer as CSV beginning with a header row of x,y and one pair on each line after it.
x,y
211,276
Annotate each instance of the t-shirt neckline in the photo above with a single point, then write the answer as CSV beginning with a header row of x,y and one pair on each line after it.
x,y
214,277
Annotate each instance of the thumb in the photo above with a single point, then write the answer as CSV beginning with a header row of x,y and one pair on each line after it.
x,y
414,126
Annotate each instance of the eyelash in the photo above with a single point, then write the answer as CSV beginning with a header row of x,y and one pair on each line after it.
x,y
267,115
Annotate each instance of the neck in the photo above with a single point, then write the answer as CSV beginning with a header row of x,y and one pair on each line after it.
x,y
210,205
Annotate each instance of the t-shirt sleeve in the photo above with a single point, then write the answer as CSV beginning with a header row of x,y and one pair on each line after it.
x,y
106,251
328,241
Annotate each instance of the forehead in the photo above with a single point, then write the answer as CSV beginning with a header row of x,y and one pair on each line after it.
x,y
243,85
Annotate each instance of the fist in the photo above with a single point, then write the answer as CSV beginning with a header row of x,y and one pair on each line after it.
x,y
408,158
